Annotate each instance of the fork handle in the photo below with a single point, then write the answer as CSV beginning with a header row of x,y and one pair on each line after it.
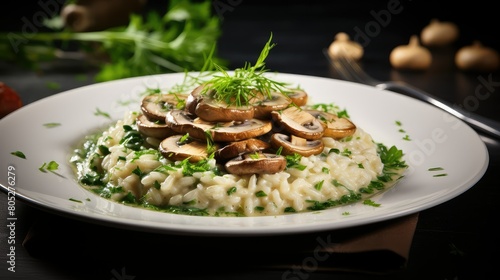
x,y
481,123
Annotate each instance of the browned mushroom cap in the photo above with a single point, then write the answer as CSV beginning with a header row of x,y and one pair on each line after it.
x,y
182,123
215,111
153,129
193,99
293,144
203,105
155,106
234,149
263,106
299,122
256,163
335,127
173,149
298,96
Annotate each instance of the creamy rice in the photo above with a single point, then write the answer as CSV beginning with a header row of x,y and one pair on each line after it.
x,y
327,177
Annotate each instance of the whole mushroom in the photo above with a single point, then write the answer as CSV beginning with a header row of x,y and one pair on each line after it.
x,y
439,33
477,57
343,46
411,57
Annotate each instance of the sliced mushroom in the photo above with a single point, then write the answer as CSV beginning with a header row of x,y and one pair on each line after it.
x,y
293,144
256,163
299,122
174,149
155,106
263,106
335,127
182,122
214,111
193,99
236,131
158,129
298,97
234,149
198,128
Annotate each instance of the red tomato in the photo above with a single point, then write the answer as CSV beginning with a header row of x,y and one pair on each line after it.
x,y
9,100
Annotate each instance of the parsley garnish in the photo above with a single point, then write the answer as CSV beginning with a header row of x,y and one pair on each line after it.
x,y
50,166
19,154
51,125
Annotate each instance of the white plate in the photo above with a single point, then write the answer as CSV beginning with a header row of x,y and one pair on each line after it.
x,y
437,139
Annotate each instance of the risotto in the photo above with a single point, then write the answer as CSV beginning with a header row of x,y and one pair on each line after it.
x,y
239,144
347,170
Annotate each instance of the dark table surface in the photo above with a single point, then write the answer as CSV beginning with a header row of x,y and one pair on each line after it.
x,y
457,239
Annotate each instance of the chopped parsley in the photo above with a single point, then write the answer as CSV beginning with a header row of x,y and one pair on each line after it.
x,y
50,166
19,154
51,125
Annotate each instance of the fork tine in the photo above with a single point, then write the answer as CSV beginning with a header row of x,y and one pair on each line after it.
x,y
350,70
339,69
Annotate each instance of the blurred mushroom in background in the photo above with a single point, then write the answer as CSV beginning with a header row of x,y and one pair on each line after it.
x,y
94,15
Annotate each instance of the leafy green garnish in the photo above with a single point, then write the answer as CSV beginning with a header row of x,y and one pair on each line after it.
x,y
260,194
231,190
50,166
75,200
132,139
293,161
51,125
371,203
435,169
246,83
176,41
19,154
319,185
392,158
98,112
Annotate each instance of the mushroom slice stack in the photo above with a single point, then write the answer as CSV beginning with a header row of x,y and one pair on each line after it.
x,y
237,148
175,148
182,123
155,129
263,106
335,127
155,106
299,122
256,163
293,144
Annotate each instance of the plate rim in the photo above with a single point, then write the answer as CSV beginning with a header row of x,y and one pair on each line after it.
x,y
122,223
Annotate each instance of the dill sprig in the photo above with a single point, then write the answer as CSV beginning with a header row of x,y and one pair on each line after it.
x,y
246,83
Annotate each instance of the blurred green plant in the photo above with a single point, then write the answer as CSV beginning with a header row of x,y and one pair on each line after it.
x,y
179,40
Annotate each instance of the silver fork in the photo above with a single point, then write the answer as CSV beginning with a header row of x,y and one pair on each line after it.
x,y
351,71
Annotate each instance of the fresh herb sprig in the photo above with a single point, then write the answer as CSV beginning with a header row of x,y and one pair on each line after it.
x,y
177,41
246,83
